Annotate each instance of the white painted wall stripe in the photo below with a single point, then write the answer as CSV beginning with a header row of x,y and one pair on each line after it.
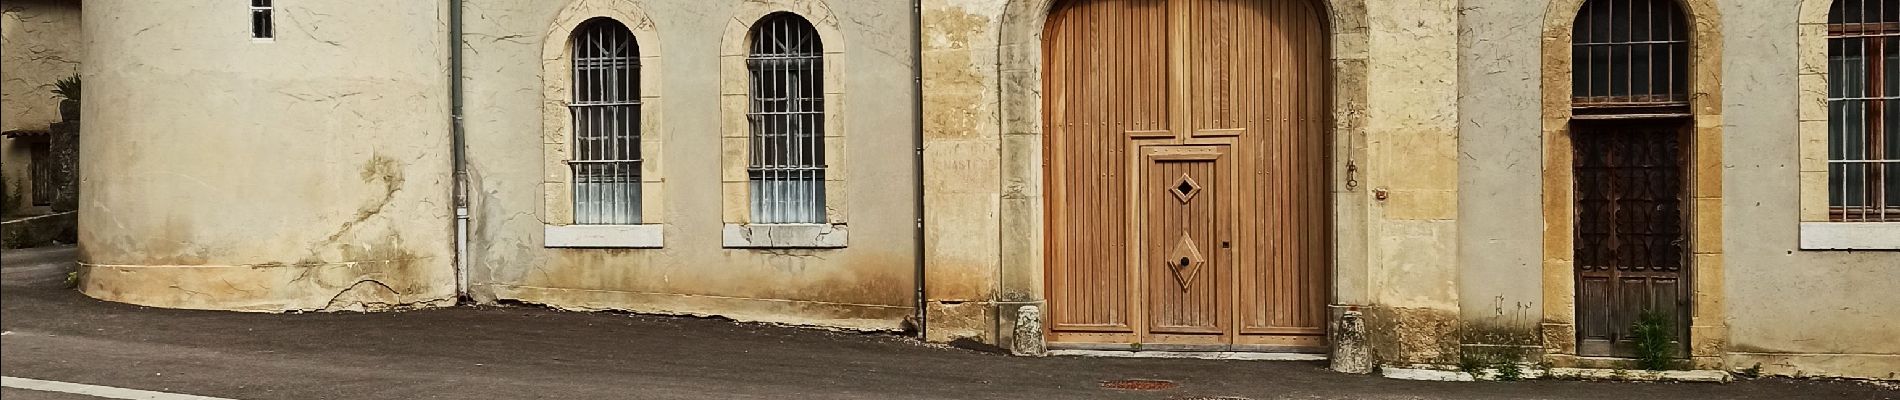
x,y
95,390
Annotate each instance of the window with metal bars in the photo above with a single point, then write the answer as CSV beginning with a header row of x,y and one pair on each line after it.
x,y
1863,86
606,112
1630,57
787,118
262,26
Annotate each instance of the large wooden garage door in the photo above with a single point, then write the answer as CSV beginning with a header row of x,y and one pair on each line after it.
x,y
1186,174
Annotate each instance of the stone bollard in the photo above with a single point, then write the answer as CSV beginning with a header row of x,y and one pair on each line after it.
x,y
1349,353
1028,332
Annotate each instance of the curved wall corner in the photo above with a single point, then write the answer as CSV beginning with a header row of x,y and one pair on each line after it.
x,y
309,172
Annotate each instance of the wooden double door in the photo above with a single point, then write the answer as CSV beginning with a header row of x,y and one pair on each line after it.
x,y
1186,174
1632,248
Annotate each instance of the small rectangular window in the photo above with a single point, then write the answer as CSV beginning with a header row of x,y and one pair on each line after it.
x,y
261,23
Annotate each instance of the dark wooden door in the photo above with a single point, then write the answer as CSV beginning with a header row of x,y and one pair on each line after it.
x,y
1631,245
1127,81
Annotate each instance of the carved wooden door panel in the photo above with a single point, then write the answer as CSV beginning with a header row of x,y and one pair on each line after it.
x,y
1631,246
1129,86
1186,226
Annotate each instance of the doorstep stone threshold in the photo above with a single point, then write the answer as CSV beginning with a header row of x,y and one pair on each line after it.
x,y
1204,355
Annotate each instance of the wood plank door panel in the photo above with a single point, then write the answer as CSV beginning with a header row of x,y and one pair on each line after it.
x,y
1259,74
1186,219
1631,246
1248,77
1106,64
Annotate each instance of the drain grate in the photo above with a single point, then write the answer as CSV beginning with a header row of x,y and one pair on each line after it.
x,y
1139,384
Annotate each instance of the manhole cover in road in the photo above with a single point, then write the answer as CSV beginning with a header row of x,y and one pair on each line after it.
x,y
1139,384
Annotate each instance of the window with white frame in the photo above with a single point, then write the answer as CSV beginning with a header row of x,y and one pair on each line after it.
x,y
262,26
606,112
787,117
1863,110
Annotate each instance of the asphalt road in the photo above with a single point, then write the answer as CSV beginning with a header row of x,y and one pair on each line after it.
x,y
56,334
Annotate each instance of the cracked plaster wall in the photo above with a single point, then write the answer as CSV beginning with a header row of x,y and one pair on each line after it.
x,y
866,285
306,173
39,43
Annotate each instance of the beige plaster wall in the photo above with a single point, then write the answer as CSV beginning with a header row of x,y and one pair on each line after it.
x,y
306,173
1793,311
866,285
1499,167
1412,156
40,43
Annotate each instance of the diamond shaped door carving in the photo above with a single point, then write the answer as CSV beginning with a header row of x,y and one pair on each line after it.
x,y
1184,188
1186,261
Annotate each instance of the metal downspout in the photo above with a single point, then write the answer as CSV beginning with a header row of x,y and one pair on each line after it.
x,y
917,76
458,142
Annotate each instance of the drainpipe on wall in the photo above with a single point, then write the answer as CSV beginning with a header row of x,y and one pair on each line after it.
x,y
917,76
458,155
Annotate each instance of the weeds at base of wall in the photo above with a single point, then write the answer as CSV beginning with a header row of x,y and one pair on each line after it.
x,y
1655,342
1491,366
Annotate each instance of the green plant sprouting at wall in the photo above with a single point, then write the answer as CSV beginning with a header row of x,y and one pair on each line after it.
x,y
1655,338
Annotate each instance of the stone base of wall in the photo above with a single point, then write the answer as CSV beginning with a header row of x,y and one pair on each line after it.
x,y
355,286
1407,336
860,317
1862,366
39,230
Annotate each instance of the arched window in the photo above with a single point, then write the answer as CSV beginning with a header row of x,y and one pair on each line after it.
x,y
606,114
1630,57
1863,86
787,117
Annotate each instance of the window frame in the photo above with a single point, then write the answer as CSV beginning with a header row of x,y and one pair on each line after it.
x,y
1876,203
611,113
559,132
741,230
263,21
1819,228
786,170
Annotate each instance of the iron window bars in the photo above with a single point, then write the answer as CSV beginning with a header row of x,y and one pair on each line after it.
x,y
606,112
1631,57
1863,82
787,166
262,27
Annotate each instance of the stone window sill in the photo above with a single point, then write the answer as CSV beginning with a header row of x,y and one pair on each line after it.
x,y
644,236
785,236
1850,236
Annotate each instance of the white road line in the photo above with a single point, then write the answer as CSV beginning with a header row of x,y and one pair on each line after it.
x,y
107,392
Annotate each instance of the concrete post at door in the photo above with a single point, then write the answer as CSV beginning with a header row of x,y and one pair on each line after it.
x,y
1349,353
1028,341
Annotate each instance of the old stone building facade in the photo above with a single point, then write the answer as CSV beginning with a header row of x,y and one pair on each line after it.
x,y
40,43
1393,183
